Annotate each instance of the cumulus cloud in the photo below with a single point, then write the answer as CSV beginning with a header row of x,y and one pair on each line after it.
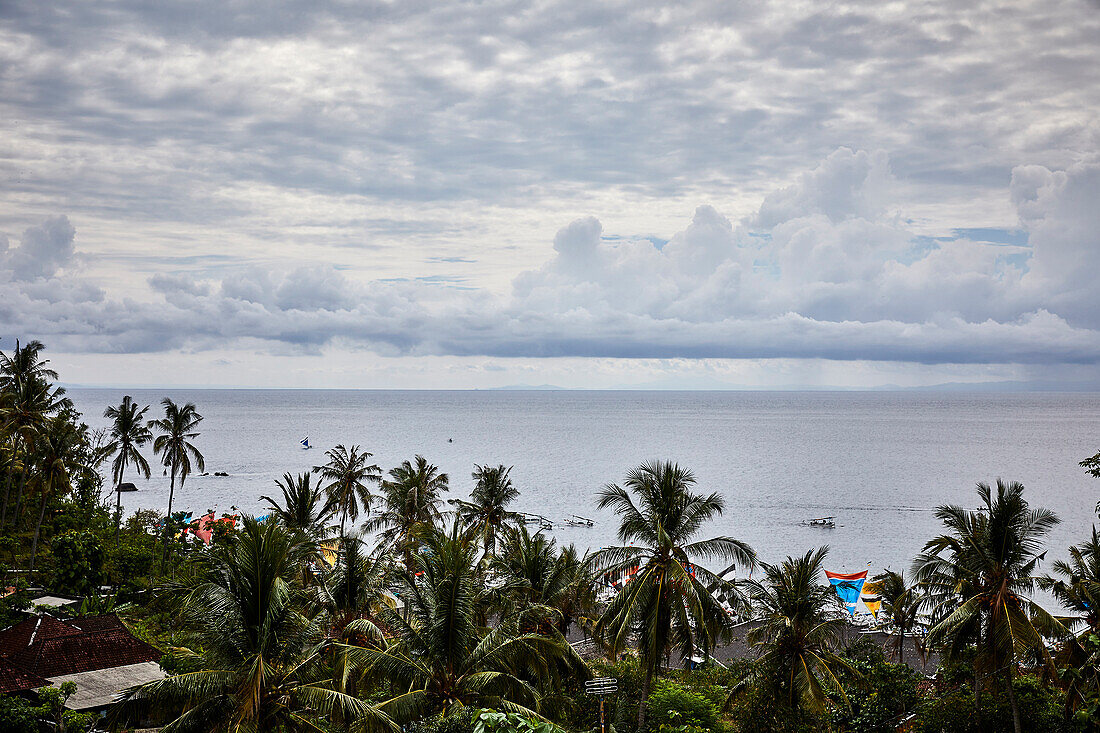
x,y
1059,210
823,269
43,250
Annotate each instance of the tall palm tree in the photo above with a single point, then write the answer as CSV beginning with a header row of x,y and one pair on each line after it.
x,y
177,429
59,453
441,659
352,588
128,433
541,584
304,508
24,365
488,506
1076,583
263,663
798,631
979,576
348,474
29,405
902,603
410,503
670,601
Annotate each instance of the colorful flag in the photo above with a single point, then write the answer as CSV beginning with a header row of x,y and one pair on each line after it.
x,y
872,596
848,586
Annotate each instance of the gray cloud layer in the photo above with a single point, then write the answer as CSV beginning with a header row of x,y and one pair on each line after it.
x,y
407,150
822,270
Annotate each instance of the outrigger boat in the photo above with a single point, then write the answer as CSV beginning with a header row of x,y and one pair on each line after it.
x,y
538,519
827,522
576,520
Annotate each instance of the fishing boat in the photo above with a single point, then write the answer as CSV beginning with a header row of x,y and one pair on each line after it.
x,y
827,522
305,443
576,520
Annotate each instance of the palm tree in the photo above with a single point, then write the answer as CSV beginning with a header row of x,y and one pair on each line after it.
x,y
670,601
1076,583
799,627
410,501
59,453
541,584
29,405
173,445
441,659
304,509
29,400
24,366
488,506
128,433
348,474
262,662
979,576
902,602
353,588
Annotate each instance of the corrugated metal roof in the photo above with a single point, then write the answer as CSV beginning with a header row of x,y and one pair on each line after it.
x,y
99,688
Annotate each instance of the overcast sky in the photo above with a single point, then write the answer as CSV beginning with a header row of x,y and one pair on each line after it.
x,y
444,194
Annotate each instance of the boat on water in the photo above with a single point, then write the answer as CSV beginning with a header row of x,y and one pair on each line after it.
x,y
827,522
576,520
305,443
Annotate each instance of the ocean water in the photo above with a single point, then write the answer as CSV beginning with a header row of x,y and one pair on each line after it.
x,y
879,462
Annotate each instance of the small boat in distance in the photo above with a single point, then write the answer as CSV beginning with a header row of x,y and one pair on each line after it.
x,y
827,522
576,520
305,443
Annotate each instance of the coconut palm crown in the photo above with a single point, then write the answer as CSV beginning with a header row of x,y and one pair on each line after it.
x,y
800,621
669,600
440,660
411,499
348,474
304,507
979,578
128,432
177,429
487,509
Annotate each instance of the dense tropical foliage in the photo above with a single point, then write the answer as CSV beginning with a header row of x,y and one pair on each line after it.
x,y
361,601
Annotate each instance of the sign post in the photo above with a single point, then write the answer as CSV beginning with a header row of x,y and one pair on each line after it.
x,y
601,687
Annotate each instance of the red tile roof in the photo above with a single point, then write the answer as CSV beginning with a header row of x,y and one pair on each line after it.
x,y
18,637
16,679
47,646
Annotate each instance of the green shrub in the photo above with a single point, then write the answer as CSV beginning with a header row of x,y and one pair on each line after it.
x,y
133,563
492,721
672,705
879,693
1041,710
78,556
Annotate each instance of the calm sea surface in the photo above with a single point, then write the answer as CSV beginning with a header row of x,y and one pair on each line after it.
x,y
878,462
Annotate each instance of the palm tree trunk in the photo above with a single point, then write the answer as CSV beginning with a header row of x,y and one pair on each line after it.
x,y
645,698
977,693
18,513
7,484
343,518
1012,702
118,504
37,531
168,520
